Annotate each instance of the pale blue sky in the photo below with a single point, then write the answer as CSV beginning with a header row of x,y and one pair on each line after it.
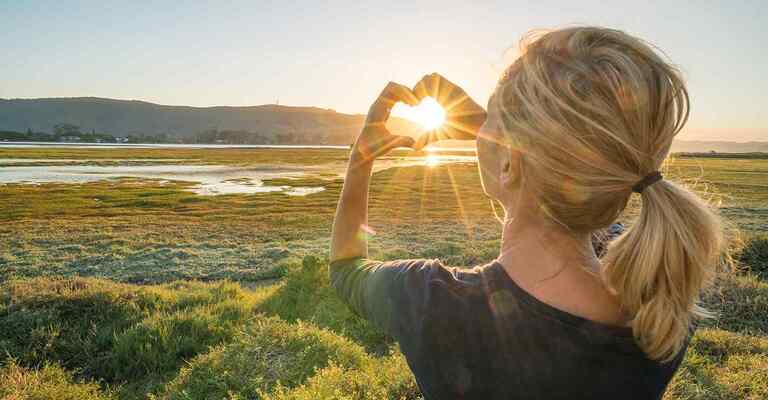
x,y
338,55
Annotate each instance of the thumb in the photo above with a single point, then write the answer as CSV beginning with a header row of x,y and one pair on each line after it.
x,y
425,139
404,141
397,141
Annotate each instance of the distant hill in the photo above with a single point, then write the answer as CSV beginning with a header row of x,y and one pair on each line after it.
x,y
264,124
272,124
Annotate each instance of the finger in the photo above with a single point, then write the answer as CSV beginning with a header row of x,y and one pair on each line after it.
x,y
439,88
397,141
443,133
445,81
429,137
392,142
403,94
427,86
392,94
422,141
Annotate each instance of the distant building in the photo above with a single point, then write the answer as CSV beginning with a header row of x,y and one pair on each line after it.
x,y
69,138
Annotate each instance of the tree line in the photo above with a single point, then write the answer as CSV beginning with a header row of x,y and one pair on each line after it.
x,y
73,133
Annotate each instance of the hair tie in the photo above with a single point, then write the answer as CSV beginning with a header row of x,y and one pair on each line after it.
x,y
648,180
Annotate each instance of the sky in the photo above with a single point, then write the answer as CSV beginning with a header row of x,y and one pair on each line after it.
x,y
340,54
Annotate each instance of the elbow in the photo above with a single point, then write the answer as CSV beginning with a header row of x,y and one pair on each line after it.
x,y
340,254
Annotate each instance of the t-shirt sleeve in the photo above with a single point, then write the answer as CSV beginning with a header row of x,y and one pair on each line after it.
x,y
392,295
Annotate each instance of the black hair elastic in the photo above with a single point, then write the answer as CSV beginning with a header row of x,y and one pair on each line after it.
x,y
649,180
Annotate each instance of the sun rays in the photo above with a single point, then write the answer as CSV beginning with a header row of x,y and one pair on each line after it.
x,y
436,189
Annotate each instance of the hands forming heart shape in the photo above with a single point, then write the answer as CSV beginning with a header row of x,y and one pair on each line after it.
x,y
463,117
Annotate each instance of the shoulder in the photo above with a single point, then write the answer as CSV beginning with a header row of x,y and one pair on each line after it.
x,y
456,290
458,278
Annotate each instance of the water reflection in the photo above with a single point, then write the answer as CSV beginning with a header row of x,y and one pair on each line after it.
x,y
208,179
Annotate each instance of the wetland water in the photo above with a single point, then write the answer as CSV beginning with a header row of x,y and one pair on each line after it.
x,y
207,179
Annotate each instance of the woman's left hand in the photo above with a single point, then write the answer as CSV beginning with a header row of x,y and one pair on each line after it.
x,y
375,140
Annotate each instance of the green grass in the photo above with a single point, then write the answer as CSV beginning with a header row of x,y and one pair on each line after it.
x,y
376,378
269,352
119,333
228,156
723,365
755,255
137,338
306,295
741,302
132,288
50,382
206,340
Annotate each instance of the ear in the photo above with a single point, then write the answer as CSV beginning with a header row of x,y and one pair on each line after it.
x,y
511,168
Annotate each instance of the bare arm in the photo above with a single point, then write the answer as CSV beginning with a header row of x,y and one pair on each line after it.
x,y
348,238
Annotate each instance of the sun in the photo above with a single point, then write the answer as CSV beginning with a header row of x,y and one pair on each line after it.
x,y
429,113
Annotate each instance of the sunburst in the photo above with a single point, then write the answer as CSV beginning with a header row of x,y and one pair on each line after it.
x,y
429,113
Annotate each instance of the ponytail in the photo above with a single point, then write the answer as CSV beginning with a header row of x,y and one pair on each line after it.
x,y
660,266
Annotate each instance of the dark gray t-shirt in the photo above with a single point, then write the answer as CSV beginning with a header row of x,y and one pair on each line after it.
x,y
475,334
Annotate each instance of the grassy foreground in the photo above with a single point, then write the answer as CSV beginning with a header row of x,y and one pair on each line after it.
x,y
131,289
294,339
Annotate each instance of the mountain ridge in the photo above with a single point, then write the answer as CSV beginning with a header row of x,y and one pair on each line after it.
x,y
250,124
149,103
267,123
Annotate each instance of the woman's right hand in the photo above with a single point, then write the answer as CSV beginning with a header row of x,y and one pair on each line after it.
x,y
463,116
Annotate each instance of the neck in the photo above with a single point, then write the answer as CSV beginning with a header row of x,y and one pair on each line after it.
x,y
535,250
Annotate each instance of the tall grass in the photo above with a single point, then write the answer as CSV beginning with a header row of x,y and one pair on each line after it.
x,y
189,340
49,382
307,296
267,353
119,333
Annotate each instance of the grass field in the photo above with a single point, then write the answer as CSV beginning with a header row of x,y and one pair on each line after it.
x,y
135,288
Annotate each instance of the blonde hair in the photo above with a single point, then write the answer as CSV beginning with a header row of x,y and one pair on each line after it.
x,y
593,111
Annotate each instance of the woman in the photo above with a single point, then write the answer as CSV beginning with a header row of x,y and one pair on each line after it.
x,y
584,118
